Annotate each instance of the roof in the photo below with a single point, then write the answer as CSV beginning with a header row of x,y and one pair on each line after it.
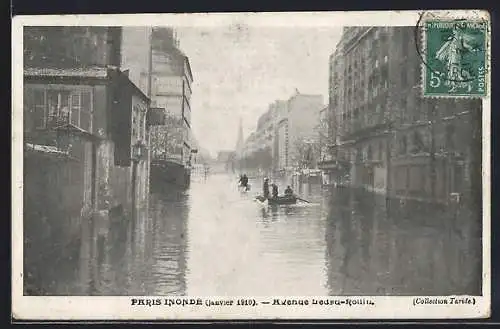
x,y
96,72
82,72
124,78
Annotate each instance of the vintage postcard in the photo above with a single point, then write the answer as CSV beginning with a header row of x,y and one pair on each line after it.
x,y
247,166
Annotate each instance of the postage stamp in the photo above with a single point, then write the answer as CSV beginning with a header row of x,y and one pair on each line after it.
x,y
251,166
455,58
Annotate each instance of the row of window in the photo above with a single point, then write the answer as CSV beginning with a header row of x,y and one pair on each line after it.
x,y
54,107
359,124
411,178
374,151
362,110
414,143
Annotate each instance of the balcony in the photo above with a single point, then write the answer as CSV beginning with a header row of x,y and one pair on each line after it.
x,y
333,164
62,123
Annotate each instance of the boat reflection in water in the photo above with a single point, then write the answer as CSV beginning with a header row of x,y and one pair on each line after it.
x,y
213,240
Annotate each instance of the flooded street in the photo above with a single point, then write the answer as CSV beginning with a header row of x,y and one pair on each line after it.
x,y
215,240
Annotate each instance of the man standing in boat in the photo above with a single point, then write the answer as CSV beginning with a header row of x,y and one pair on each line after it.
x,y
288,191
275,191
266,188
244,182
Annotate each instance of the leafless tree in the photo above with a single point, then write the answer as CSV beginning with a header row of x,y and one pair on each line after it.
x,y
322,130
167,139
304,153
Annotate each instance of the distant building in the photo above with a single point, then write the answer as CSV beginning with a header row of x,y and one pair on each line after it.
x,y
240,141
136,56
224,156
249,148
286,135
303,121
224,162
280,143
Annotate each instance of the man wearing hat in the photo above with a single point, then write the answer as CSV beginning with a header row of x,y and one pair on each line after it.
x,y
266,188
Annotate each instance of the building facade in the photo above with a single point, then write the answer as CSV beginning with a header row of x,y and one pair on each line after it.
x,y
335,165
259,150
85,140
302,125
282,144
280,140
85,127
171,90
240,142
396,141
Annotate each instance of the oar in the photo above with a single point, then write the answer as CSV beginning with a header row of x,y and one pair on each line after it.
x,y
302,199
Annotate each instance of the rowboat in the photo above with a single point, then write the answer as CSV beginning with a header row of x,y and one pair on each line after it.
x,y
243,188
280,200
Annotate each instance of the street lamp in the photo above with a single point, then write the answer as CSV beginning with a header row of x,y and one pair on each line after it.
x,y
138,151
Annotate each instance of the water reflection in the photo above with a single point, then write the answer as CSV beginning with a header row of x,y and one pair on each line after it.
x,y
374,247
213,240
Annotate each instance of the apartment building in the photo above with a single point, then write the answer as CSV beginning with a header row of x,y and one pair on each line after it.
x,y
395,140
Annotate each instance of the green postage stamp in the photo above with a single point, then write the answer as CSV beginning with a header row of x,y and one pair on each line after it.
x,y
455,62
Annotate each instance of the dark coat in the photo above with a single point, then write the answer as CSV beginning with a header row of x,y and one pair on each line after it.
x,y
275,190
265,187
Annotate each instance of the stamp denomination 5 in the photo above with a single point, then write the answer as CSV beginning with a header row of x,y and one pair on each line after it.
x,y
455,58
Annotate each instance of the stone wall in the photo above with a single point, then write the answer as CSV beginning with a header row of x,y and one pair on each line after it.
x,y
114,181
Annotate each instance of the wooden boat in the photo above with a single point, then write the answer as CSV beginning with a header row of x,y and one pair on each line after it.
x,y
280,200
243,189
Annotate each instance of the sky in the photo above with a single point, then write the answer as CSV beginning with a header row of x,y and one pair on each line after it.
x,y
238,71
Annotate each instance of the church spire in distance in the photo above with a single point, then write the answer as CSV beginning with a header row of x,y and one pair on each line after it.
x,y
239,143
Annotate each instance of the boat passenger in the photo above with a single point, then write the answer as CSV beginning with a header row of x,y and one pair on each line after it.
x,y
288,191
244,182
266,188
275,191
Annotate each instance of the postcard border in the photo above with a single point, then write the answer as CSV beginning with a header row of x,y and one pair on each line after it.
x,y
119,308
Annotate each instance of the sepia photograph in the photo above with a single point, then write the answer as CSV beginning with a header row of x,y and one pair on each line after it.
x,y
206,166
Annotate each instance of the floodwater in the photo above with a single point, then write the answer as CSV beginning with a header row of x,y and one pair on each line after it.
x,y
215,240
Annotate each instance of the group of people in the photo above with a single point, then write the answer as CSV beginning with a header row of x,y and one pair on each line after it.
x,y
274,188
243,182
